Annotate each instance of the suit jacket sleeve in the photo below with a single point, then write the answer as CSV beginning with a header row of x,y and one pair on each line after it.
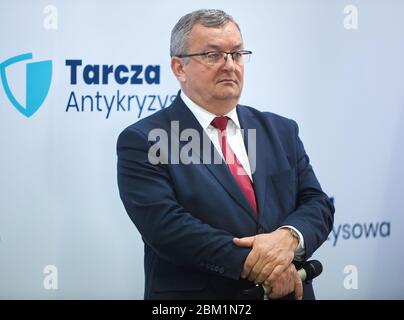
x,y
173,233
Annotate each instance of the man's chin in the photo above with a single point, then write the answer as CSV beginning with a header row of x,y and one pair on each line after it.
x,y
228,94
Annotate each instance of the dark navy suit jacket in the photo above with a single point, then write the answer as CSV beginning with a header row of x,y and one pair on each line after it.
x,y
188,214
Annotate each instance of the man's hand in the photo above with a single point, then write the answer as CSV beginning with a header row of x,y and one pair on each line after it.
x,y
286,283
271,254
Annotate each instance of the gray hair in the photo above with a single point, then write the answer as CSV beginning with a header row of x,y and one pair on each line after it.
x,y
210,18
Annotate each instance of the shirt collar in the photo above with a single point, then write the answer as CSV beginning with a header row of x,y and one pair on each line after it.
x,y
205,117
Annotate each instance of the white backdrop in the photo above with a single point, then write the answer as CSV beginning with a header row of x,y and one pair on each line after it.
x,y
336,67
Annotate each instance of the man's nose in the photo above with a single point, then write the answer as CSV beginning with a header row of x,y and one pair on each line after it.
x,y
229,63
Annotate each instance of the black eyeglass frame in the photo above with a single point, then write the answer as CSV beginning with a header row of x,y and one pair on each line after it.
x,y
242,52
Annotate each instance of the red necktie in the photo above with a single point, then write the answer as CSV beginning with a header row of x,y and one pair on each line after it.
x,y
235,167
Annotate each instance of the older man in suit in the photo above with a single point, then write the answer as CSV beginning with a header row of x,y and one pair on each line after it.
x,y
214,229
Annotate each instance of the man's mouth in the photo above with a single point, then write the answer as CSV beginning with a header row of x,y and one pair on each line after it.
x,y
228,80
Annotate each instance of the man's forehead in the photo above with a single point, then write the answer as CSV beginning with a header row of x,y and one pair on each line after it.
x,y
229,27
212,37
215,46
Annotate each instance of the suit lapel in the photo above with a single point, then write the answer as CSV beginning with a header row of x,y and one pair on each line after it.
x,y
258,164
267,165
186,120
259,160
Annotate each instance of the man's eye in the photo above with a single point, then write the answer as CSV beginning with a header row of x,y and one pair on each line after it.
x,y
214,56
237,55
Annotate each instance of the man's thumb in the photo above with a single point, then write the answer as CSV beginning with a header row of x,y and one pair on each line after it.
x,y
245,242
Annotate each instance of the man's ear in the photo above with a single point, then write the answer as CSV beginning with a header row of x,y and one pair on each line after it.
x,y
177,66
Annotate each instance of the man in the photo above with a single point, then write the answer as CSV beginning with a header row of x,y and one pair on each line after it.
x,y
213,230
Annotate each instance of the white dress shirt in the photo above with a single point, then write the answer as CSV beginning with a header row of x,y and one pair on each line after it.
x,y
236,142
233,131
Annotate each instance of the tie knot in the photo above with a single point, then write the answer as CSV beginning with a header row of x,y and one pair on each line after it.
x,y
220,123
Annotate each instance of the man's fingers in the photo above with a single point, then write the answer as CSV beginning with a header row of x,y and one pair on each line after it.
x,y
247,242
255,271
256,268
298,287
287,282
263,274
249,264
276,273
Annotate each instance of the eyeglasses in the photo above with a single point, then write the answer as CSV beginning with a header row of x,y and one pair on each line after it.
x,y
215,57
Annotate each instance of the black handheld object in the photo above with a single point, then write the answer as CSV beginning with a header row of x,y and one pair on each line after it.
x,y
308,271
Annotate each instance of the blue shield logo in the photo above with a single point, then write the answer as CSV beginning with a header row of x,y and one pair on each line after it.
x,y
38,80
